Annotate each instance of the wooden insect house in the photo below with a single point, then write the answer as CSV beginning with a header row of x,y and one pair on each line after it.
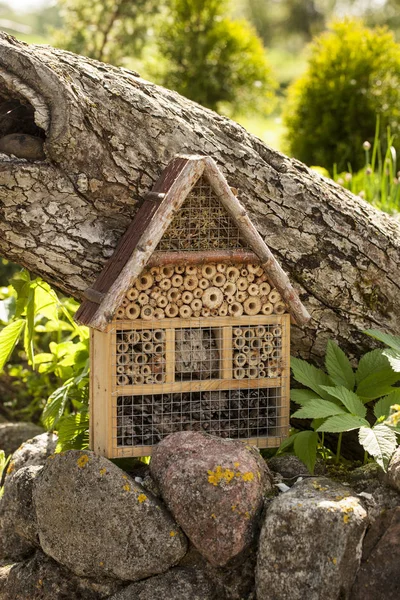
x,y
190,322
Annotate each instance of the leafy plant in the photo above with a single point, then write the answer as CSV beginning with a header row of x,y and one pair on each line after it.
x,y
336,402
3,466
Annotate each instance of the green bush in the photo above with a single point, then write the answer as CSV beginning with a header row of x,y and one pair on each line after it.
x,y
353,75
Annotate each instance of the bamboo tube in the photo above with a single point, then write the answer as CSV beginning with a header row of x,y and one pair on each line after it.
x,y
264,288
242,284
223,309
158,349
185,311
123,359
244,272
190,282
240,359
235,309
173,295
252,305
232,274
145,370
132,311
276,354
198,292
167,271
187,297
122,380
143,299
132,294
250,277
159,378
230,299
239,373
177,280
121,313
260,331
132,337
246,349
171,310
203,283
122,347
205,312
229,288
120,369
124,302
158,335
140,358
253,289
144,282
256,343
147,313
260,271
191,270
179,302
253,358
155,293
238,331
267,308
219,280
279,308
138,379
149,379
252,372
148,347
214,312
269,336
196,304
212,297
239,342
208,271
267,348
154,271
274,296
249,333
153,302
159,314
252,268
241,296
277,331
180,269
162,302
165,284
273,372
221,267
262,373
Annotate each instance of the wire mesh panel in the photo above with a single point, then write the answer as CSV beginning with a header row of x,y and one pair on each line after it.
x,y
202,223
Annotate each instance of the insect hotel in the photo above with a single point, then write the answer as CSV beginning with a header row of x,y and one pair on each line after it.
x,y
190,322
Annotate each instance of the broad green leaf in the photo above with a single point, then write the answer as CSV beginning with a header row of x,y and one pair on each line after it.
x,y
380,442
338,366
310,376
30,327
392,341
349,399
55,406
303,396
371,362
73,432
318,409
9,336
382,407
21,283
305,447
393,357
286,444
342,423
46,301
378,384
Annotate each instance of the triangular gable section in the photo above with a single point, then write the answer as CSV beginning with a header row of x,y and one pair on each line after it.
x,y
154,222
202,223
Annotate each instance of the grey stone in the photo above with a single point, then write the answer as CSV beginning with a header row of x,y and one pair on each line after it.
x,y
214,488
18,528
12,435
394,471
176,584
371,484
98,522
291,467
41,578
310,543
33,452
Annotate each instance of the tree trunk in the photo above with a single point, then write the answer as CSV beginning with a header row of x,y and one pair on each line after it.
x,y
108,134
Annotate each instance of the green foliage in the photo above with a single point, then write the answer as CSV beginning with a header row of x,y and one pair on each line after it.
x,y
353,75
212,59
107,30
337,402
3,466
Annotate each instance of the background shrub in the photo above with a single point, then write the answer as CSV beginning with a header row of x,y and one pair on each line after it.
x,y
353,75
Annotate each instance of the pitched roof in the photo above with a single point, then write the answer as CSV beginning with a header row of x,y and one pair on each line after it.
x,y
148,227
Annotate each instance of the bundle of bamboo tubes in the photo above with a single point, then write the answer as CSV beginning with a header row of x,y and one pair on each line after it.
x,y
140,357
200,291
257,351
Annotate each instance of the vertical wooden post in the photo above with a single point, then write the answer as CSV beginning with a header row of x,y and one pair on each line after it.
x,y
224,342
100,393
285,390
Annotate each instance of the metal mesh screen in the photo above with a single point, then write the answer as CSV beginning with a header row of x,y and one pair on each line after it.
x,y
201,224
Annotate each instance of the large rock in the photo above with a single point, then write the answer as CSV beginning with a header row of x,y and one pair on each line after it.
x,y
214,489
97,521
18,528
379,574
370,483
394,470
33,452
12,435
291,467
176,584
310,543
41,578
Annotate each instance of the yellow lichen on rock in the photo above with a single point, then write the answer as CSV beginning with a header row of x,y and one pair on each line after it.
x,y
142,498
82,461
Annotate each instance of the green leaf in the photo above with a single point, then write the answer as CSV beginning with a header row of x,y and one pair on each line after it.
x,y
349,399
338,366
378,384
371,362
303,396
392,341
342,423
73,432
30,327
55,406
310,376
21,283
46,301
382,407
305,447
380,442
393,357
318,409
9,336
286,444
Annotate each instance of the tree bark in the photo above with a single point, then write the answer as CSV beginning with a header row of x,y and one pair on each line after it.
x,y
107,136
